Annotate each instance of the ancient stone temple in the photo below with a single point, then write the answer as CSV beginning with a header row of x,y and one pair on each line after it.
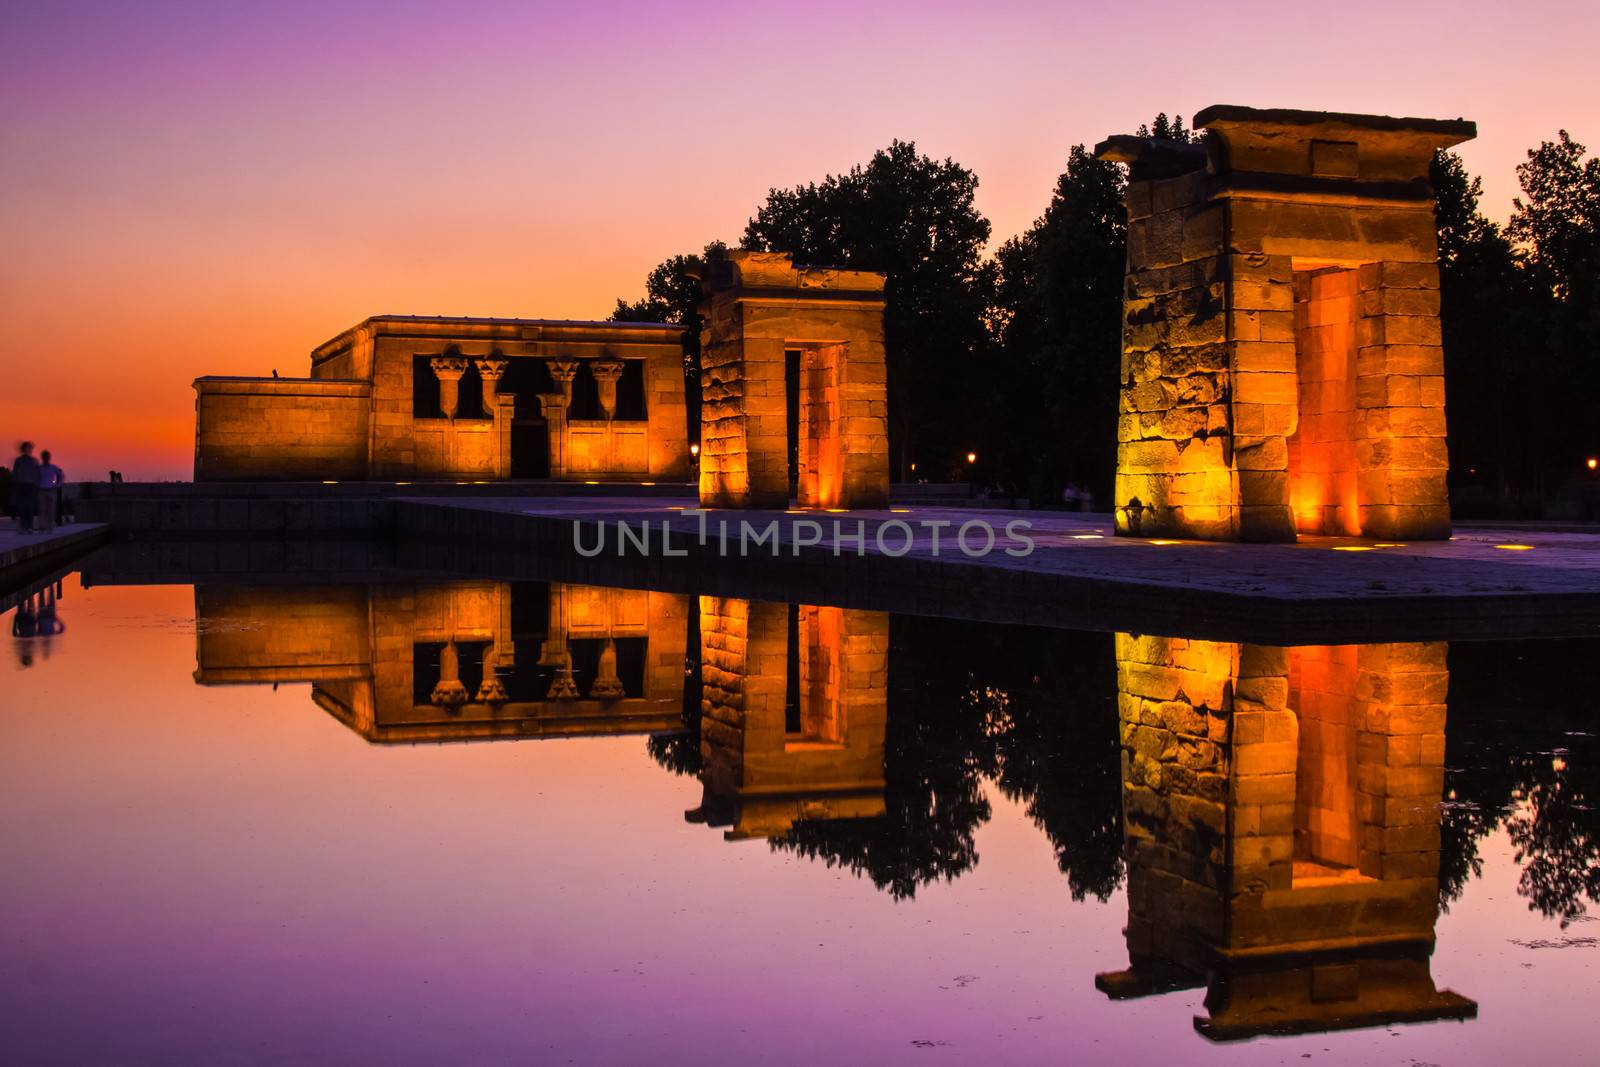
x,y
459,661
404,397
793,709
1281,808
769,322
1281,369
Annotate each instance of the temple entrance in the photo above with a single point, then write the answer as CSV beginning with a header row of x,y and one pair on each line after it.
x,y
795,402
530,448
1323,490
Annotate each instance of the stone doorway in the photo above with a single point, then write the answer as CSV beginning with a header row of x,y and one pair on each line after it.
x,y
530,448
794,386
1323,491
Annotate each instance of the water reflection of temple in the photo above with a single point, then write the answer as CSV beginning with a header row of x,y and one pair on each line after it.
x,y
793,712
456,661
1281,811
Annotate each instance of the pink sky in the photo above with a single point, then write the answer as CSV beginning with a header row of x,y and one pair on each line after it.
x,y
189,189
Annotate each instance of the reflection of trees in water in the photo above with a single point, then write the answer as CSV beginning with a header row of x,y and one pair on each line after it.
x,y
1522,751
679,751
1034,709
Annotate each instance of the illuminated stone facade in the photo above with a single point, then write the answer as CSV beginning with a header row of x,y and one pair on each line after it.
x,y
1281,369
458,661
403,398
1282,821
760,307
790,729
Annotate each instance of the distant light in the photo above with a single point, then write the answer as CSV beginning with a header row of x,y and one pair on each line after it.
x,y
402,483
900,511
1591,462
913,466
836,511
1558,764
794,511
1388,544
1088,537
972,457
591,483
1353,548
1164,542
647,483
330,483
480,483
1516,548
674,507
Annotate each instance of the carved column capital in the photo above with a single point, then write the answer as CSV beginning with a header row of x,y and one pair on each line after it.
x,y
606,372
448,369
491,368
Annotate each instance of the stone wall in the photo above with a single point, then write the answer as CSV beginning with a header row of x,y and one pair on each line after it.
x,y
759,307
354,418
1281,808
759,775
1281,367
292,429
357,644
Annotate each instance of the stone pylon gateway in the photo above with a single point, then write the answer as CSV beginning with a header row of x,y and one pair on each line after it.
x,y
1281,366
760,307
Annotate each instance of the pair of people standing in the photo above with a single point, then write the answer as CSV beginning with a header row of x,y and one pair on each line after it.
x,y
35,490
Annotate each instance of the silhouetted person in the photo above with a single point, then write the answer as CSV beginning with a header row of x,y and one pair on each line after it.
x,y
25,487
51,479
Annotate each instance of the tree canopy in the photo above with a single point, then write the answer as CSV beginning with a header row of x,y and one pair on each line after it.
x,y
1015,355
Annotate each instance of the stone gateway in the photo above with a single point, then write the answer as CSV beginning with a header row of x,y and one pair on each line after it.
x,y
1281,365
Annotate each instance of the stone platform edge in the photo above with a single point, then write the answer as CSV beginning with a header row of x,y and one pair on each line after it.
x,y
510,545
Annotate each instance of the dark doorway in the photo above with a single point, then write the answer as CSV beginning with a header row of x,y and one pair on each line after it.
x,y
530,448
791,392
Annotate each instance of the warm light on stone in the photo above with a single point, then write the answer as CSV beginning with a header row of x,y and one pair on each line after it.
x,y
1281,368
759,307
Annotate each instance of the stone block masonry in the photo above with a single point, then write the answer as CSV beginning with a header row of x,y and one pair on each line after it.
x,y
1281,812
1281,367
760,307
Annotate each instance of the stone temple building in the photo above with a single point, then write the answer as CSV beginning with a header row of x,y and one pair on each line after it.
x,y
793,378
1282,831
1281,370
407,397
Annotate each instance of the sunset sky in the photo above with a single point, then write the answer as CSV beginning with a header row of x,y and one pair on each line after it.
x,y
209,188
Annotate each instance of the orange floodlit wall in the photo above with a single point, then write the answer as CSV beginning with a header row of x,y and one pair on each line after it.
x,y
1281,368
406,397
759,306
767,763
1282,816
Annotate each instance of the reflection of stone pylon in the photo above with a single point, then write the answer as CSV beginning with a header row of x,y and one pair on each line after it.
x,y
562,687
607,686
448,692
491,690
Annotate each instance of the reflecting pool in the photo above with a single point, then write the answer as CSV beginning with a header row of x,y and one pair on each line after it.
x,y
277,817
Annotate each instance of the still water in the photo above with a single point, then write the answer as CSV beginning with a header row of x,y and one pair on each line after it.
x,y
270,820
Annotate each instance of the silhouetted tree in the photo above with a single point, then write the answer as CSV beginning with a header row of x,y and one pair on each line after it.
x,y
1521,753
1556,224
1059,321
1482,305
936,753
672,295
913,218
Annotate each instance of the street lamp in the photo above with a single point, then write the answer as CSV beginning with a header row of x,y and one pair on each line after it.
x,y
972,457
694,450
1593,463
